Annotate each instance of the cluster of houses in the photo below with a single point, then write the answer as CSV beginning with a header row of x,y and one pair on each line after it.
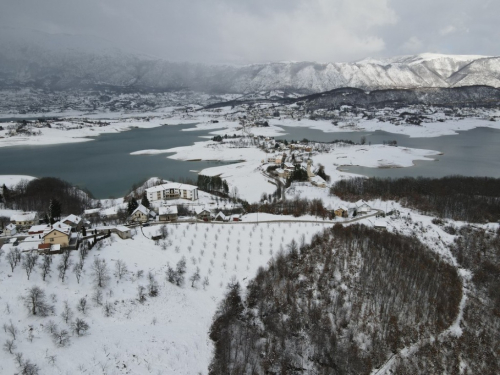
x,y
286,169
65,233
354,209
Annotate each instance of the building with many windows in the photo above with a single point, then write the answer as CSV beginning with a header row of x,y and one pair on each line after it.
x,y
172,190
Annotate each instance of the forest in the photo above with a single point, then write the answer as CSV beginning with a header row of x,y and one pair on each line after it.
x,y
36,195
471,199
343,304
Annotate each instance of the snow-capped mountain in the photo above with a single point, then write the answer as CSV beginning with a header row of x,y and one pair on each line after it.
x,y
31,58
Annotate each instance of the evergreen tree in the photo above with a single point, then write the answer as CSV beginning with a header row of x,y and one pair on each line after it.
x,y
132,205
54,210
145,201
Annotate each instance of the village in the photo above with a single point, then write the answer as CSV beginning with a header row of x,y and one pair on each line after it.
x,y
164,203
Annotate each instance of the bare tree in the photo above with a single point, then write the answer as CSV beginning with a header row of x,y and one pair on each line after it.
x,y
9,346
29,262
45,266
65,263
78,270
100,272
153,288
195,277
80,327
120,268
108,309
82,305
35,302
10,329
67,313
97,297
61,338
12,259
29,368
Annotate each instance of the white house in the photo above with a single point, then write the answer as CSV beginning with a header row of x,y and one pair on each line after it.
x,y
140,214
167,213
24,219
9,230
317,181
172,190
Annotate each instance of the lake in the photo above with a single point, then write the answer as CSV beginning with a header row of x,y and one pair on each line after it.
x,y
470,153
104,166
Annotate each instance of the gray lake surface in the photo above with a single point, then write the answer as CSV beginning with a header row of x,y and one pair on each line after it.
x,y
469,153
104,166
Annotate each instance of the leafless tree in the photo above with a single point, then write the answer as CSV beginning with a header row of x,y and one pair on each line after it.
x,y
108,309
67,313
29,262
65,263
120,268
35,302
78,270
141,293
80,327
10,329
195,277
97,296
82,305
9,346
61,338
45,266
100,272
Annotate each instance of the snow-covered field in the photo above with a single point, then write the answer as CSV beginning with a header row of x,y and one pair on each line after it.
x,y
164,335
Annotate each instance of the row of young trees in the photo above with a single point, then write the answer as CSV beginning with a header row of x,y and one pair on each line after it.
x,y
472,199
341,305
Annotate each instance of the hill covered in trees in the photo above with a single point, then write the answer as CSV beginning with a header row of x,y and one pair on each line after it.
x,y
345,304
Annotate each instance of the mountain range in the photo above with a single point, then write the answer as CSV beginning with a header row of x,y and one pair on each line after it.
x,y
60,61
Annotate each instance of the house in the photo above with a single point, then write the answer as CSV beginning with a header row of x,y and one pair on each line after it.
x,y
341,212
140,214
167,213
38,229
172,190
75,222
24,219
202,214
381,225
362,208
9,230
57,234
236,218
221,217
123,232
317,181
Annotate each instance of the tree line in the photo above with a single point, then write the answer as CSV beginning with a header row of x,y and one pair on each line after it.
x,y
472,199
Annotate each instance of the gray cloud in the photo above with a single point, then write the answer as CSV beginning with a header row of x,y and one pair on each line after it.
x,y
239,31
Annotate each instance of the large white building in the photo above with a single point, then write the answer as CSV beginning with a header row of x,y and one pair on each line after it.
x,y
172,190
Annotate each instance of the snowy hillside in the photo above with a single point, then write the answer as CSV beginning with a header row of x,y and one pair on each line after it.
x,y
68,61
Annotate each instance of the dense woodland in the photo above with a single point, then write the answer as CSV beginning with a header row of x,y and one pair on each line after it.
x,y
344,304
471,199
36,195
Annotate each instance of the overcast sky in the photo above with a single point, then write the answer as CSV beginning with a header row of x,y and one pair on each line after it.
x,y
246,31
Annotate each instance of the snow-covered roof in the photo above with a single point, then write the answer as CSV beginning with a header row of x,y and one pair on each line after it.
x,y
91,211
167,210
10,227
171,185
63,228
25,216
380,224
38,228
221,215
198,210
72,218
122,228
142,209
317,180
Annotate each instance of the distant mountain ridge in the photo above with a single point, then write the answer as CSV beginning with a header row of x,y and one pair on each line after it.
x,y
59,61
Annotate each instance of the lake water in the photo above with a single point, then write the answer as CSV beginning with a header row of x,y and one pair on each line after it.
x,y
104,166
471,153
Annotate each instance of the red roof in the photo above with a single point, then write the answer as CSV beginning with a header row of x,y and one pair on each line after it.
x,y
44,246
